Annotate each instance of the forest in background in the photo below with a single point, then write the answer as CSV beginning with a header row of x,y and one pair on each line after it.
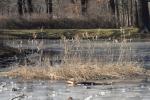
x,y
75,14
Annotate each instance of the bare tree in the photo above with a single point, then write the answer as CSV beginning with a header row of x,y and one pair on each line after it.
x,y
143,15
30,6
4,7
20,7
25,6
112,5
49,6
84,6
116,13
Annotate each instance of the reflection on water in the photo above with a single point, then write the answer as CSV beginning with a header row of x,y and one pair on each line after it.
x,y
105,51
39,90
11,89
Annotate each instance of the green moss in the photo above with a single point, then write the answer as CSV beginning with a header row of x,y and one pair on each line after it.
x,y
71,33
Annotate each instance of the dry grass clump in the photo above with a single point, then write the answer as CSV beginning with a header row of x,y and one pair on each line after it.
x,y
94,72
79,72
31,73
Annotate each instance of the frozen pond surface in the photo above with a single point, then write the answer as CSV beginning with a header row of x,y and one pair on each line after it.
x,y
44,90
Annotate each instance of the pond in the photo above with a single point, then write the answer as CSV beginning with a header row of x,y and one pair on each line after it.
x,y
53,90
85,50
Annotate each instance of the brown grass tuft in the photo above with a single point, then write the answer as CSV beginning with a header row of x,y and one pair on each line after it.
x,y
79,72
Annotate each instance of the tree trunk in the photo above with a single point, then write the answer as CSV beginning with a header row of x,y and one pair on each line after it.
x,y
20,8
24,6
49,6
143,16
112,5
117,14
84,6
136,13
30,6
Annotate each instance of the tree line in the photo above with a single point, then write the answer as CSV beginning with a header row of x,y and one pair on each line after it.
x,y
136,13
122,13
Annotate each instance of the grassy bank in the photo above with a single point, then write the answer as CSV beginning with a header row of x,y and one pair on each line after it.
x,y
72,33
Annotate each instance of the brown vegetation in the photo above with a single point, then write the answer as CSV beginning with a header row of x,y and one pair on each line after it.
x,y
44,21
80,72
74,66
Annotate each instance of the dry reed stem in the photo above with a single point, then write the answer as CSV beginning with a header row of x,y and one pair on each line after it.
x,y
79,72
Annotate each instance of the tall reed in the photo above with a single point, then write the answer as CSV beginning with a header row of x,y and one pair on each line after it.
x,y
86,60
